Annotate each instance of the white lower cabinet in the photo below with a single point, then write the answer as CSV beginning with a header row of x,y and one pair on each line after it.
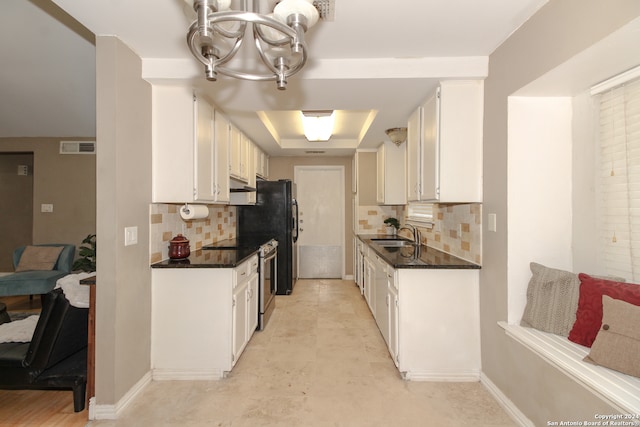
x,y
244,306
240,311
393,321
201,319
369,283
429,319
381,290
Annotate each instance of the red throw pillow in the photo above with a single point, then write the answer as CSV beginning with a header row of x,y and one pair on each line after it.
x,y
589,314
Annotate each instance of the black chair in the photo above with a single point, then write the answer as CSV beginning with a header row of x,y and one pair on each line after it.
x,y
56,357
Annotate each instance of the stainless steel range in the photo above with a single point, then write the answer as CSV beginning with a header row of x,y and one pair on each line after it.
x,y
268,270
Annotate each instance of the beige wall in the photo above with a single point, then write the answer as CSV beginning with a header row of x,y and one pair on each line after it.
x,y
67,181
123,324
283,168
561,29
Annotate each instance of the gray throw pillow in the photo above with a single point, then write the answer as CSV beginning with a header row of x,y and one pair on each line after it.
x,y
552,300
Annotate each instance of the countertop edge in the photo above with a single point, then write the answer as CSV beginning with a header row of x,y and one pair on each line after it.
x,y
384,254
189,263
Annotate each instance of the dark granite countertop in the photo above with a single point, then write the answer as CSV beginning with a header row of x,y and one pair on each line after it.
x,y
424,257
210,258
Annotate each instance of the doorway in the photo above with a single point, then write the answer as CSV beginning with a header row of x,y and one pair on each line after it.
x,y
320,195
16,193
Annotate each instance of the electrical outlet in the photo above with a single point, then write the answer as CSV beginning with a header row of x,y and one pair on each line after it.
x,y
46,207
459,230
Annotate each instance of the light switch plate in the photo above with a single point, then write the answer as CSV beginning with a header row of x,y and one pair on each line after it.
x,y
46,207
130,236
491,220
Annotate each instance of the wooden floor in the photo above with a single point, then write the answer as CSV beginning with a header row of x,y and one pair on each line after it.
x,y
36,407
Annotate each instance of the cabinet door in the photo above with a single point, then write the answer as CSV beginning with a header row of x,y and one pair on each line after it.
x,y
382,309
221,137
245,150
173,144
251,170
393,318
369,279
430,155
391,182
413,155
239,319
252,314
235,155
380,171
204,152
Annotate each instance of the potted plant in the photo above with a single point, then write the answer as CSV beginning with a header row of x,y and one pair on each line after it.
x,y
392,225
87,255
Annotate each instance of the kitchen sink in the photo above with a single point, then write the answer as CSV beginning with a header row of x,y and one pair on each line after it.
x,y
394,243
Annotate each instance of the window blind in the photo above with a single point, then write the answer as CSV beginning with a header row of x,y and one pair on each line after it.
x,y
619,136
420,212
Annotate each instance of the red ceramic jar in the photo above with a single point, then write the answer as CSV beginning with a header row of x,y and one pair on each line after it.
x,y
179,247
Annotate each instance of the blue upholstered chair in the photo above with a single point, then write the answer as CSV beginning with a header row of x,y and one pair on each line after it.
x,y
37,282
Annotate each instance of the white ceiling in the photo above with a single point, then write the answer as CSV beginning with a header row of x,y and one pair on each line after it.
x,y
375,60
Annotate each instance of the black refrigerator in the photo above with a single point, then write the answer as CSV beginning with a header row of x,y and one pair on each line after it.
x,y
274,216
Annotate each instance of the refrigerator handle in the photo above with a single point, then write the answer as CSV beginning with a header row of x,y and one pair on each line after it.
x,y
295,221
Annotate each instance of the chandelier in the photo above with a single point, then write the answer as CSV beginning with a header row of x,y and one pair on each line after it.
x,y
218,32
397,135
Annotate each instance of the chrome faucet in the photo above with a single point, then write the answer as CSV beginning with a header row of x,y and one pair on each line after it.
x,y
416,233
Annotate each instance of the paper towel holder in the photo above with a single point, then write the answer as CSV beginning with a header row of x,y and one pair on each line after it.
x,y
193,212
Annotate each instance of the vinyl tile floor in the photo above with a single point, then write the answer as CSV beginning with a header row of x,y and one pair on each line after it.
x,y
321,361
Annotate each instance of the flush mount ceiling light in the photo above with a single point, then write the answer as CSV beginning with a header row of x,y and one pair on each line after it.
x,y
318,124
217,34
397,135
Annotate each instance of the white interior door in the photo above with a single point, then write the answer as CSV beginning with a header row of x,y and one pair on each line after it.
x,y
320,195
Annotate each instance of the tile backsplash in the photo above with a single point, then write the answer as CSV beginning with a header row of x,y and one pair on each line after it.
x,y
450,219
165,223
457,227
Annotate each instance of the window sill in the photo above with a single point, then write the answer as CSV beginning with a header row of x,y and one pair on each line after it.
x,y
619,390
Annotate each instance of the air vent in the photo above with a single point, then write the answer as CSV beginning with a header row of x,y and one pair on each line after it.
x,y
315,152
77,147
327,9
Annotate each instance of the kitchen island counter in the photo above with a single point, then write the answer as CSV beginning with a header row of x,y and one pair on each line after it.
x,y
418,257
210,258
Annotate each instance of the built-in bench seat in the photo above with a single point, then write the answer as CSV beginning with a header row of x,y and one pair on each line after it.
x,y
620,390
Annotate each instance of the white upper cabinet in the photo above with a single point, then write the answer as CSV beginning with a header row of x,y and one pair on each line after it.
x,y
261,163
444,145
246,197
235,157
391,175
204,174
221,157
186,151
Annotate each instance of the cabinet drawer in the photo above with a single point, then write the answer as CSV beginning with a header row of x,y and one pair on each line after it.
x,y
252,265
245,270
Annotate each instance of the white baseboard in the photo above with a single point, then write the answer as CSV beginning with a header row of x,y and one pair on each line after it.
x,y
111,412
506,403
462,376
187,375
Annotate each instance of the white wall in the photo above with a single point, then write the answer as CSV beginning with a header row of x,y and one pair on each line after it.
x,y
539,192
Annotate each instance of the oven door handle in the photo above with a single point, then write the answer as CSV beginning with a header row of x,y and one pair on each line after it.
x,y
270,256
